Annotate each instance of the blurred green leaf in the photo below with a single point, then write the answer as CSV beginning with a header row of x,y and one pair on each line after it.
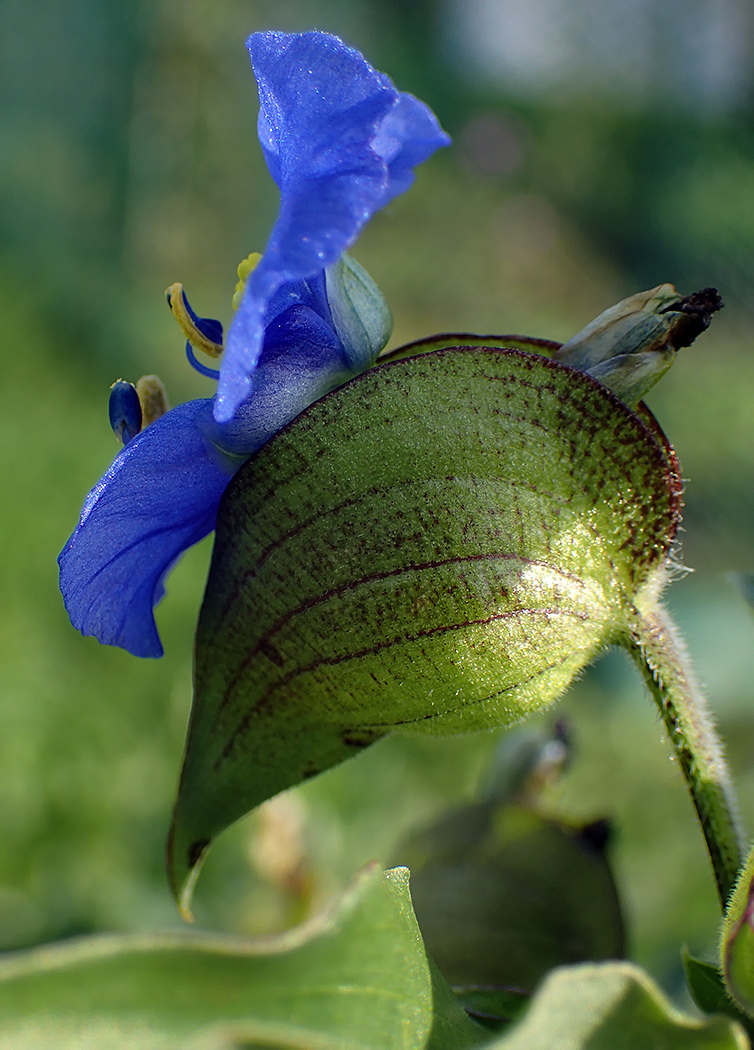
x,y
492,1006
356,979
745,583
613,1006
706,985
503,895
437,547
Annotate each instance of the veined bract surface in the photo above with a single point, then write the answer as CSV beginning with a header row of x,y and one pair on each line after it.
x,y
438,546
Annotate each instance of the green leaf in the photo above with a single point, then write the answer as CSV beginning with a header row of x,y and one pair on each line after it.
x,y
706,985
436,547
357,979
709,992
613,1006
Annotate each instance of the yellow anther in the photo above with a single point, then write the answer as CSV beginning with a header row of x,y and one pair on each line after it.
x,y
177,303
244,269
153,398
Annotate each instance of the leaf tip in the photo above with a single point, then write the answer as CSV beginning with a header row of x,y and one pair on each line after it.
x,y
183,864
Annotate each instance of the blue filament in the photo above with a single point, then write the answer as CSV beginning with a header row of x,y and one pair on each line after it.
x,y
210,373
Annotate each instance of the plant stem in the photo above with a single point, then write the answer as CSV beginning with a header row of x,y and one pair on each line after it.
x,y
662,658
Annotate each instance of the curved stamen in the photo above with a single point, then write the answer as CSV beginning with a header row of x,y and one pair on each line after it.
x,y
203,333
205,370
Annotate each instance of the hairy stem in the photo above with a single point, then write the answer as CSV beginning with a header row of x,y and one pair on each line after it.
x,y
661,656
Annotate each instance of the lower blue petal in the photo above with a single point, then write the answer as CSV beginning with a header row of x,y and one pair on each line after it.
x,y
159,497
302,359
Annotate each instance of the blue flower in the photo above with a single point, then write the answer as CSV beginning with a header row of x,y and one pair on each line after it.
x,y
340,142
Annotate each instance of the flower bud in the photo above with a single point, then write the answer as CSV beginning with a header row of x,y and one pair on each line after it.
x,y
629,347
360,314
503,891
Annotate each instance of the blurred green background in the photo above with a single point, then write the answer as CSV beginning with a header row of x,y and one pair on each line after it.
x,y
599,148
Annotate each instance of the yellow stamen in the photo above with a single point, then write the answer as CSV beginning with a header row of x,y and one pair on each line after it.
x,y
153,398
244,269
198,340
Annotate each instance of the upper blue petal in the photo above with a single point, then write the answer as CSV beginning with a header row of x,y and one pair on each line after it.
x,y
408,135
159,497
340,142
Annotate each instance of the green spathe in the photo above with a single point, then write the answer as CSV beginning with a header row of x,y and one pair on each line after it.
x,y
437,547
504,890
737,940
503,894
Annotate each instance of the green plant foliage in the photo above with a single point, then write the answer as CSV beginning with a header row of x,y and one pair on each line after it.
x,y
438,546
745,583
613,1006
503,892
709,992
529,894
737,940
357,979
491,1005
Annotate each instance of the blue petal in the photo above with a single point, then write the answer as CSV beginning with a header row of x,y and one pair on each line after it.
x,y
340,141
408,136
159,497
302,360
310,293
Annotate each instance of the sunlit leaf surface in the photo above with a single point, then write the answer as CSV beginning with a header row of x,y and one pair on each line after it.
x,y
358,979
439,546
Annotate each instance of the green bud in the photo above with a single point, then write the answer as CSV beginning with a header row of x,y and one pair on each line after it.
x,y
502,894
737,941
360,313
502,891
629,347
524,762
